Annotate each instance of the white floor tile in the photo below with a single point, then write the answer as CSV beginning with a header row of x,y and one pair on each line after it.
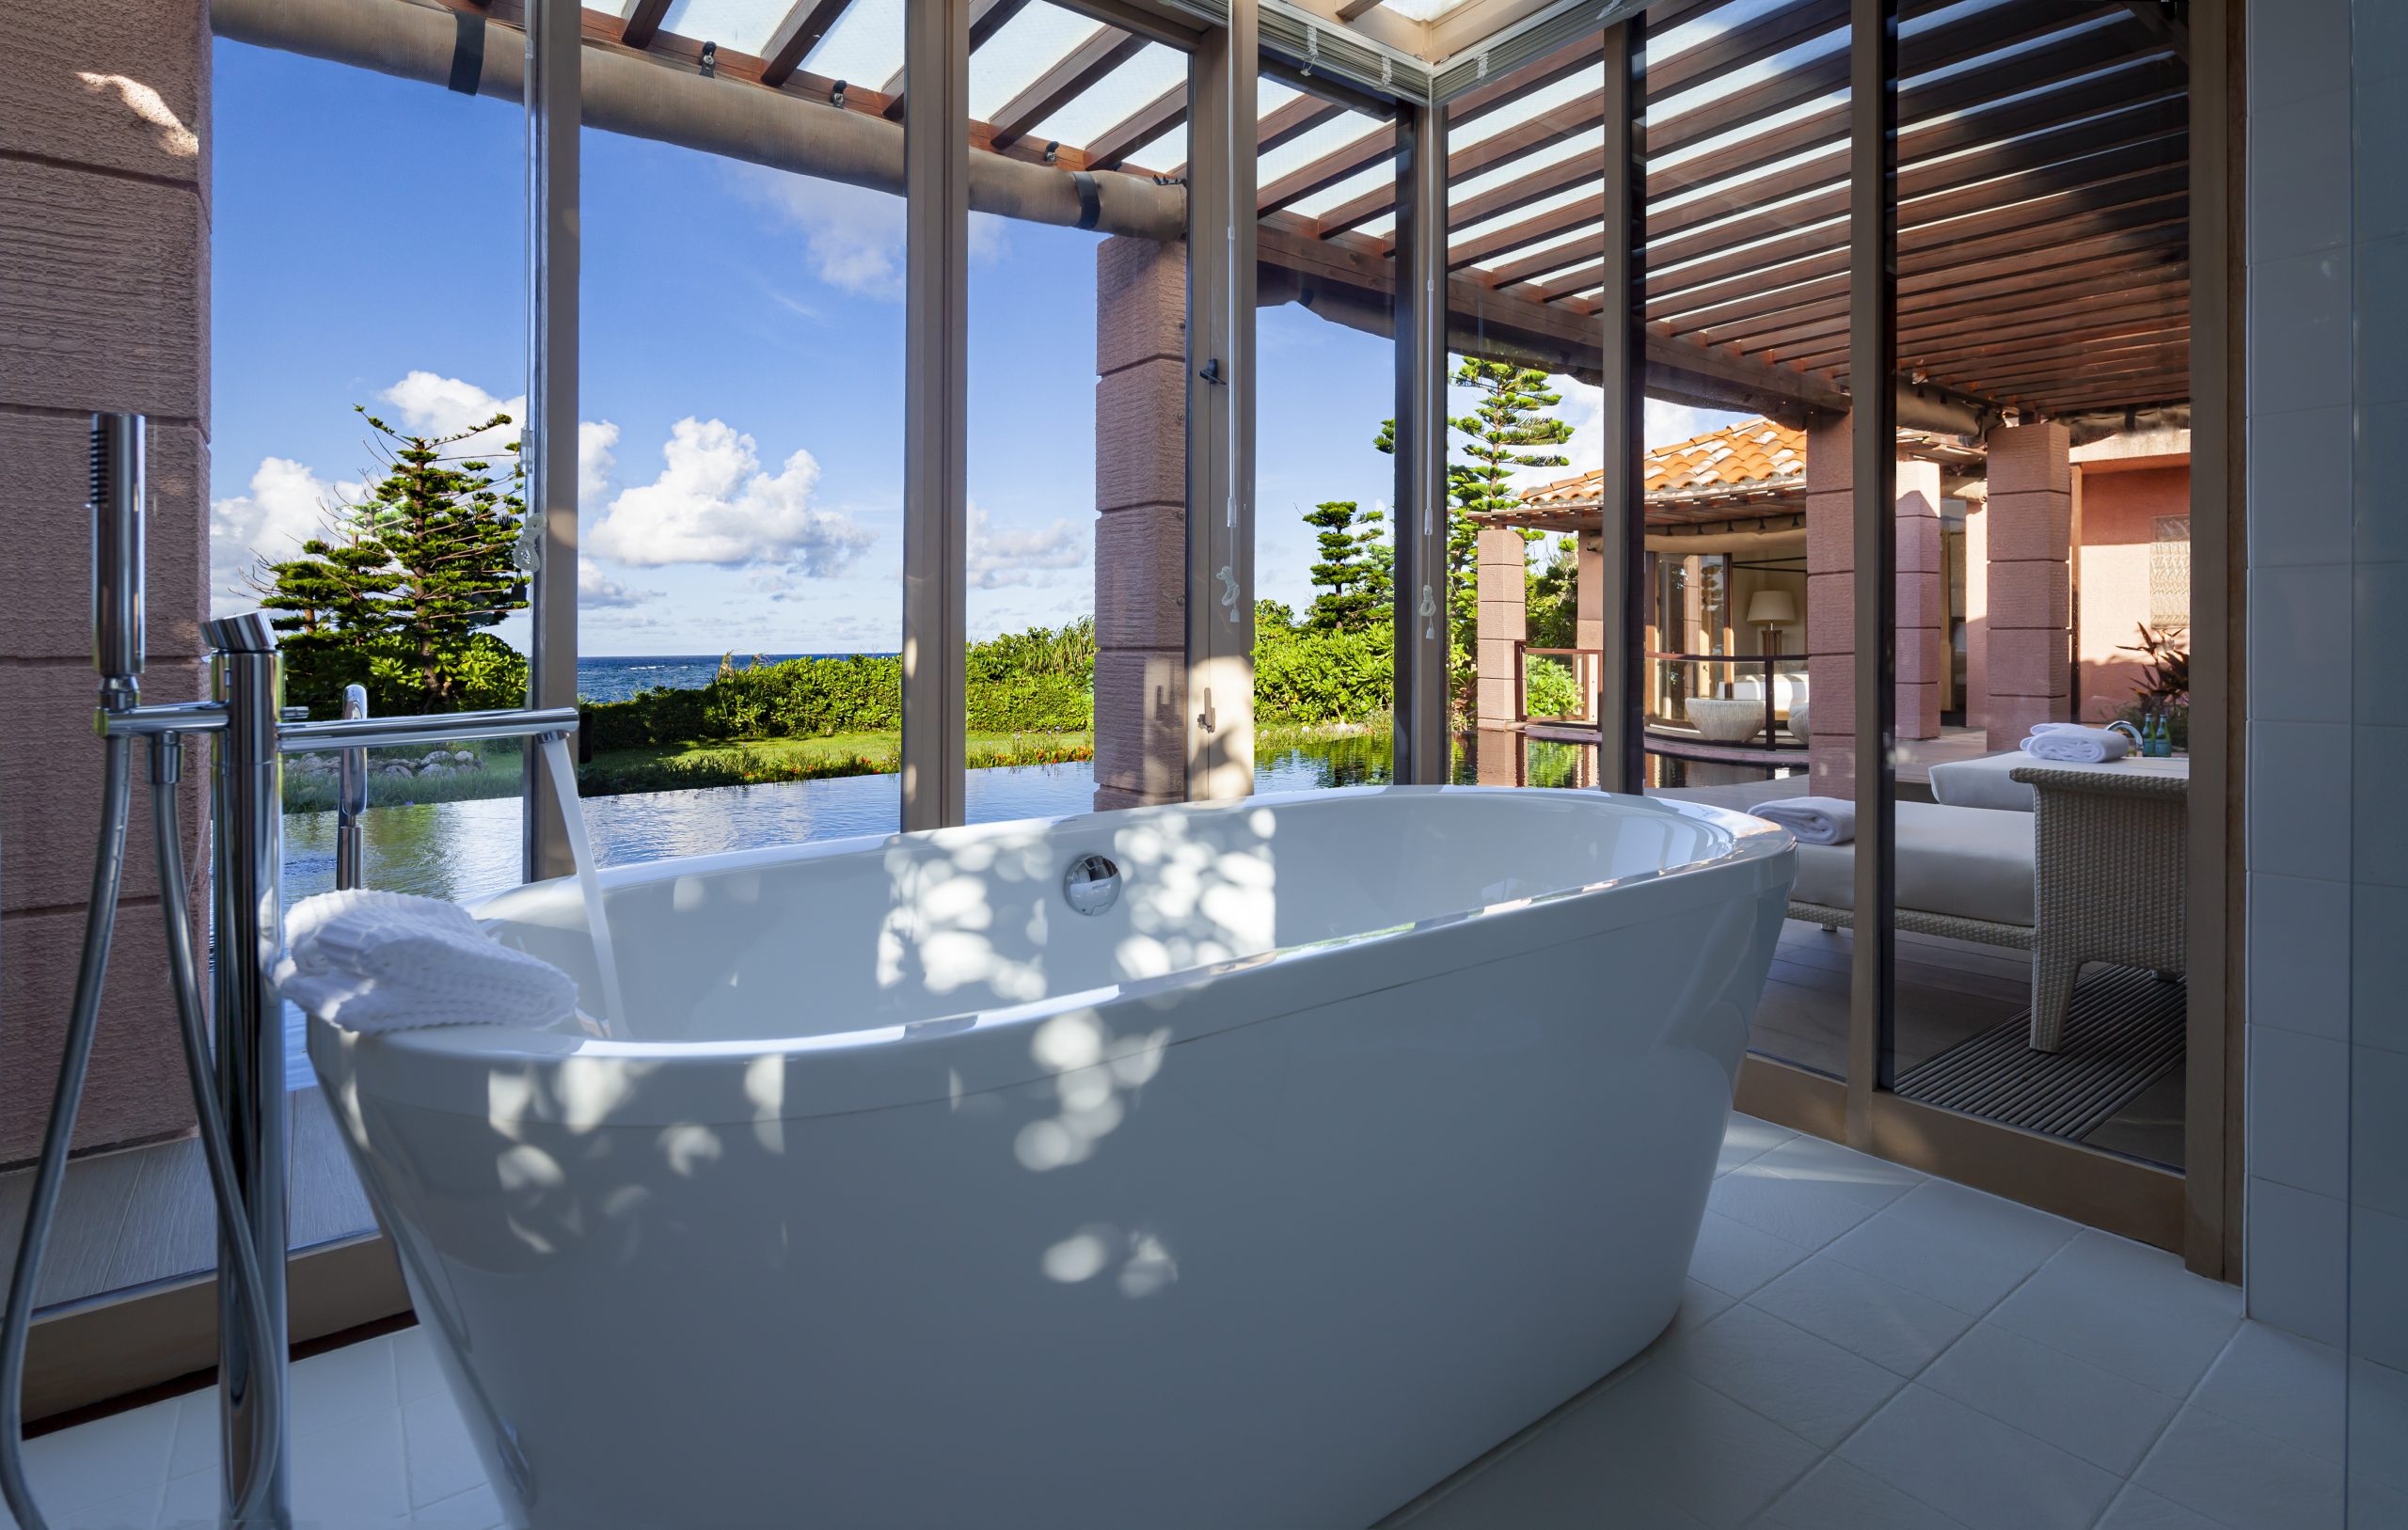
x,y
350,1475
2073,1405
476,1510
1890,1326
137,1510
2378,1425
102,1461
1701,1305
1959,1247
2279,1383
1747,1139
2160,1334
2241,1478
1660,1437
197,1426
343,1385
415,1373
1976,1469
1837,1496
1735,1258
442,1459
1809,1192
1809,1386
2137,1508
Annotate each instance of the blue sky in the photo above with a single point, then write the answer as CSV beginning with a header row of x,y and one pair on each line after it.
x,y
742,376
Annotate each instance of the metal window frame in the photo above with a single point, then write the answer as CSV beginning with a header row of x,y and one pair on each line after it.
x,y
936,411
1421,613
555,51
1222,77
1621,740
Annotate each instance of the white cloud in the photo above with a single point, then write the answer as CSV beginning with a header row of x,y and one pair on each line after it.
x,y
854,236
595,459
286,506
596,590
1009,557
430,403
713,504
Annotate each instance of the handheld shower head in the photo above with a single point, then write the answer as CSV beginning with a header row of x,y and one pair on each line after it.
x,y
118,490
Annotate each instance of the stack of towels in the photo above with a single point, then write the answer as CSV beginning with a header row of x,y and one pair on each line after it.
x,y
1816,820
385,961
2070,743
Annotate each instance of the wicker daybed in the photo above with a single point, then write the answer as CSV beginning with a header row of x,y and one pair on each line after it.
x,y
2106,859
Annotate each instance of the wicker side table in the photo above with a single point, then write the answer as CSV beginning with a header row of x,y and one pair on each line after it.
x,y
2107,864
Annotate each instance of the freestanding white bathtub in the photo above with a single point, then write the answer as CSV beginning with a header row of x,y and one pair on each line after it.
x,y
1363,1129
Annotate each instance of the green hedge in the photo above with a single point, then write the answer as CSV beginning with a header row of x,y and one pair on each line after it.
x,y
1020,683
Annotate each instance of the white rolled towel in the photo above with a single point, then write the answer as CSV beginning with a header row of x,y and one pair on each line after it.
x,y
2039,728
387,961
2068,745
1816,820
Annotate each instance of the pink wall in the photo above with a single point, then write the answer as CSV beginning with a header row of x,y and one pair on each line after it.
x,y
2119,511
103,305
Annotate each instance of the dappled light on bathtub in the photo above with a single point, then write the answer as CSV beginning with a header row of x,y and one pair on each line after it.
x,y
1144,1266
1093,1073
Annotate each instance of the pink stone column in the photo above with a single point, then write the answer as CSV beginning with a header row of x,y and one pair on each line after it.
x,y
1503,621
2028,667
103,305
1977,613
1141,523
1922,601
1588,608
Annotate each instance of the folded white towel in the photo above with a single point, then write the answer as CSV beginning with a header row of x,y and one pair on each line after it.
x,y
2078,746
1816,820
2039,728
387,961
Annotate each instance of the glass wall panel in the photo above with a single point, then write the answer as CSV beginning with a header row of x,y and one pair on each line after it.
x,y
1325,472
2043,537
740,481
1078,441
1747,680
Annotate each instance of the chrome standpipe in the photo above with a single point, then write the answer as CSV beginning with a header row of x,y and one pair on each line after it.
x,y
246,879
351,798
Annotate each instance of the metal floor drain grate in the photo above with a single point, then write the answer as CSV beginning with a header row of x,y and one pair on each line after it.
x,y
2123,1033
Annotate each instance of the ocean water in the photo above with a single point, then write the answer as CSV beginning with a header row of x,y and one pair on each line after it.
x,y
614,678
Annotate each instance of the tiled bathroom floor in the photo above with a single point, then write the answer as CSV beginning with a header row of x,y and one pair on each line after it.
x,y
1863,1349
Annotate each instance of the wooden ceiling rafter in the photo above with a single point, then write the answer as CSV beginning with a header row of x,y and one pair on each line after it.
x,y
797,33
1104,50
640,20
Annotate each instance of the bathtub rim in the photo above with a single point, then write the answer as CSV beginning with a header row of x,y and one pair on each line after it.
x,y
898,1064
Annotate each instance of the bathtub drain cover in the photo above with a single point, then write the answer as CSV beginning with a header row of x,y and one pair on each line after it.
x,y
1092,884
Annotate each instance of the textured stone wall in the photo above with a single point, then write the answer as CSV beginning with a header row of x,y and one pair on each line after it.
x,y
2028,668
1922,601
104,304
1141,523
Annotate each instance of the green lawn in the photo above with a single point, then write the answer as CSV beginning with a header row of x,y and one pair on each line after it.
x,y
713,762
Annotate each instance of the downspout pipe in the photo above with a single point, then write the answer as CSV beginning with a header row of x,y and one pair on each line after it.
x,y
647,97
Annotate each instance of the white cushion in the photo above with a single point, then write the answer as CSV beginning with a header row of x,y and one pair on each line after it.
x,y
1985,783
1966,863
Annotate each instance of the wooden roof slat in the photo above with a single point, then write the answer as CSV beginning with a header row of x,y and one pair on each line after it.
x,y
1964,283
1146,123
2084,154
797,33
2045,212
1930,334
2163,357
1337,165
639,20
1099,55
2059,335
2126,273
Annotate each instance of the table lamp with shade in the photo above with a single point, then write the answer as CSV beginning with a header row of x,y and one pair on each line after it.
x,y
1770,610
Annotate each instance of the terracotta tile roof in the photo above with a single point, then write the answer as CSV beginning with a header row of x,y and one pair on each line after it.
x,y
1758,453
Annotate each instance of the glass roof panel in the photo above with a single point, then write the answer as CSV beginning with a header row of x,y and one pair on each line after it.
x,y
1164,154
1156,70
1422,10
1040,36
743,25
1548,203
1589,144
1577,85
1327,138
1372,179
865,46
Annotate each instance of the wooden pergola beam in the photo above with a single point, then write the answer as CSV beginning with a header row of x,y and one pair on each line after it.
x,y
797,33
1106,50
639,20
